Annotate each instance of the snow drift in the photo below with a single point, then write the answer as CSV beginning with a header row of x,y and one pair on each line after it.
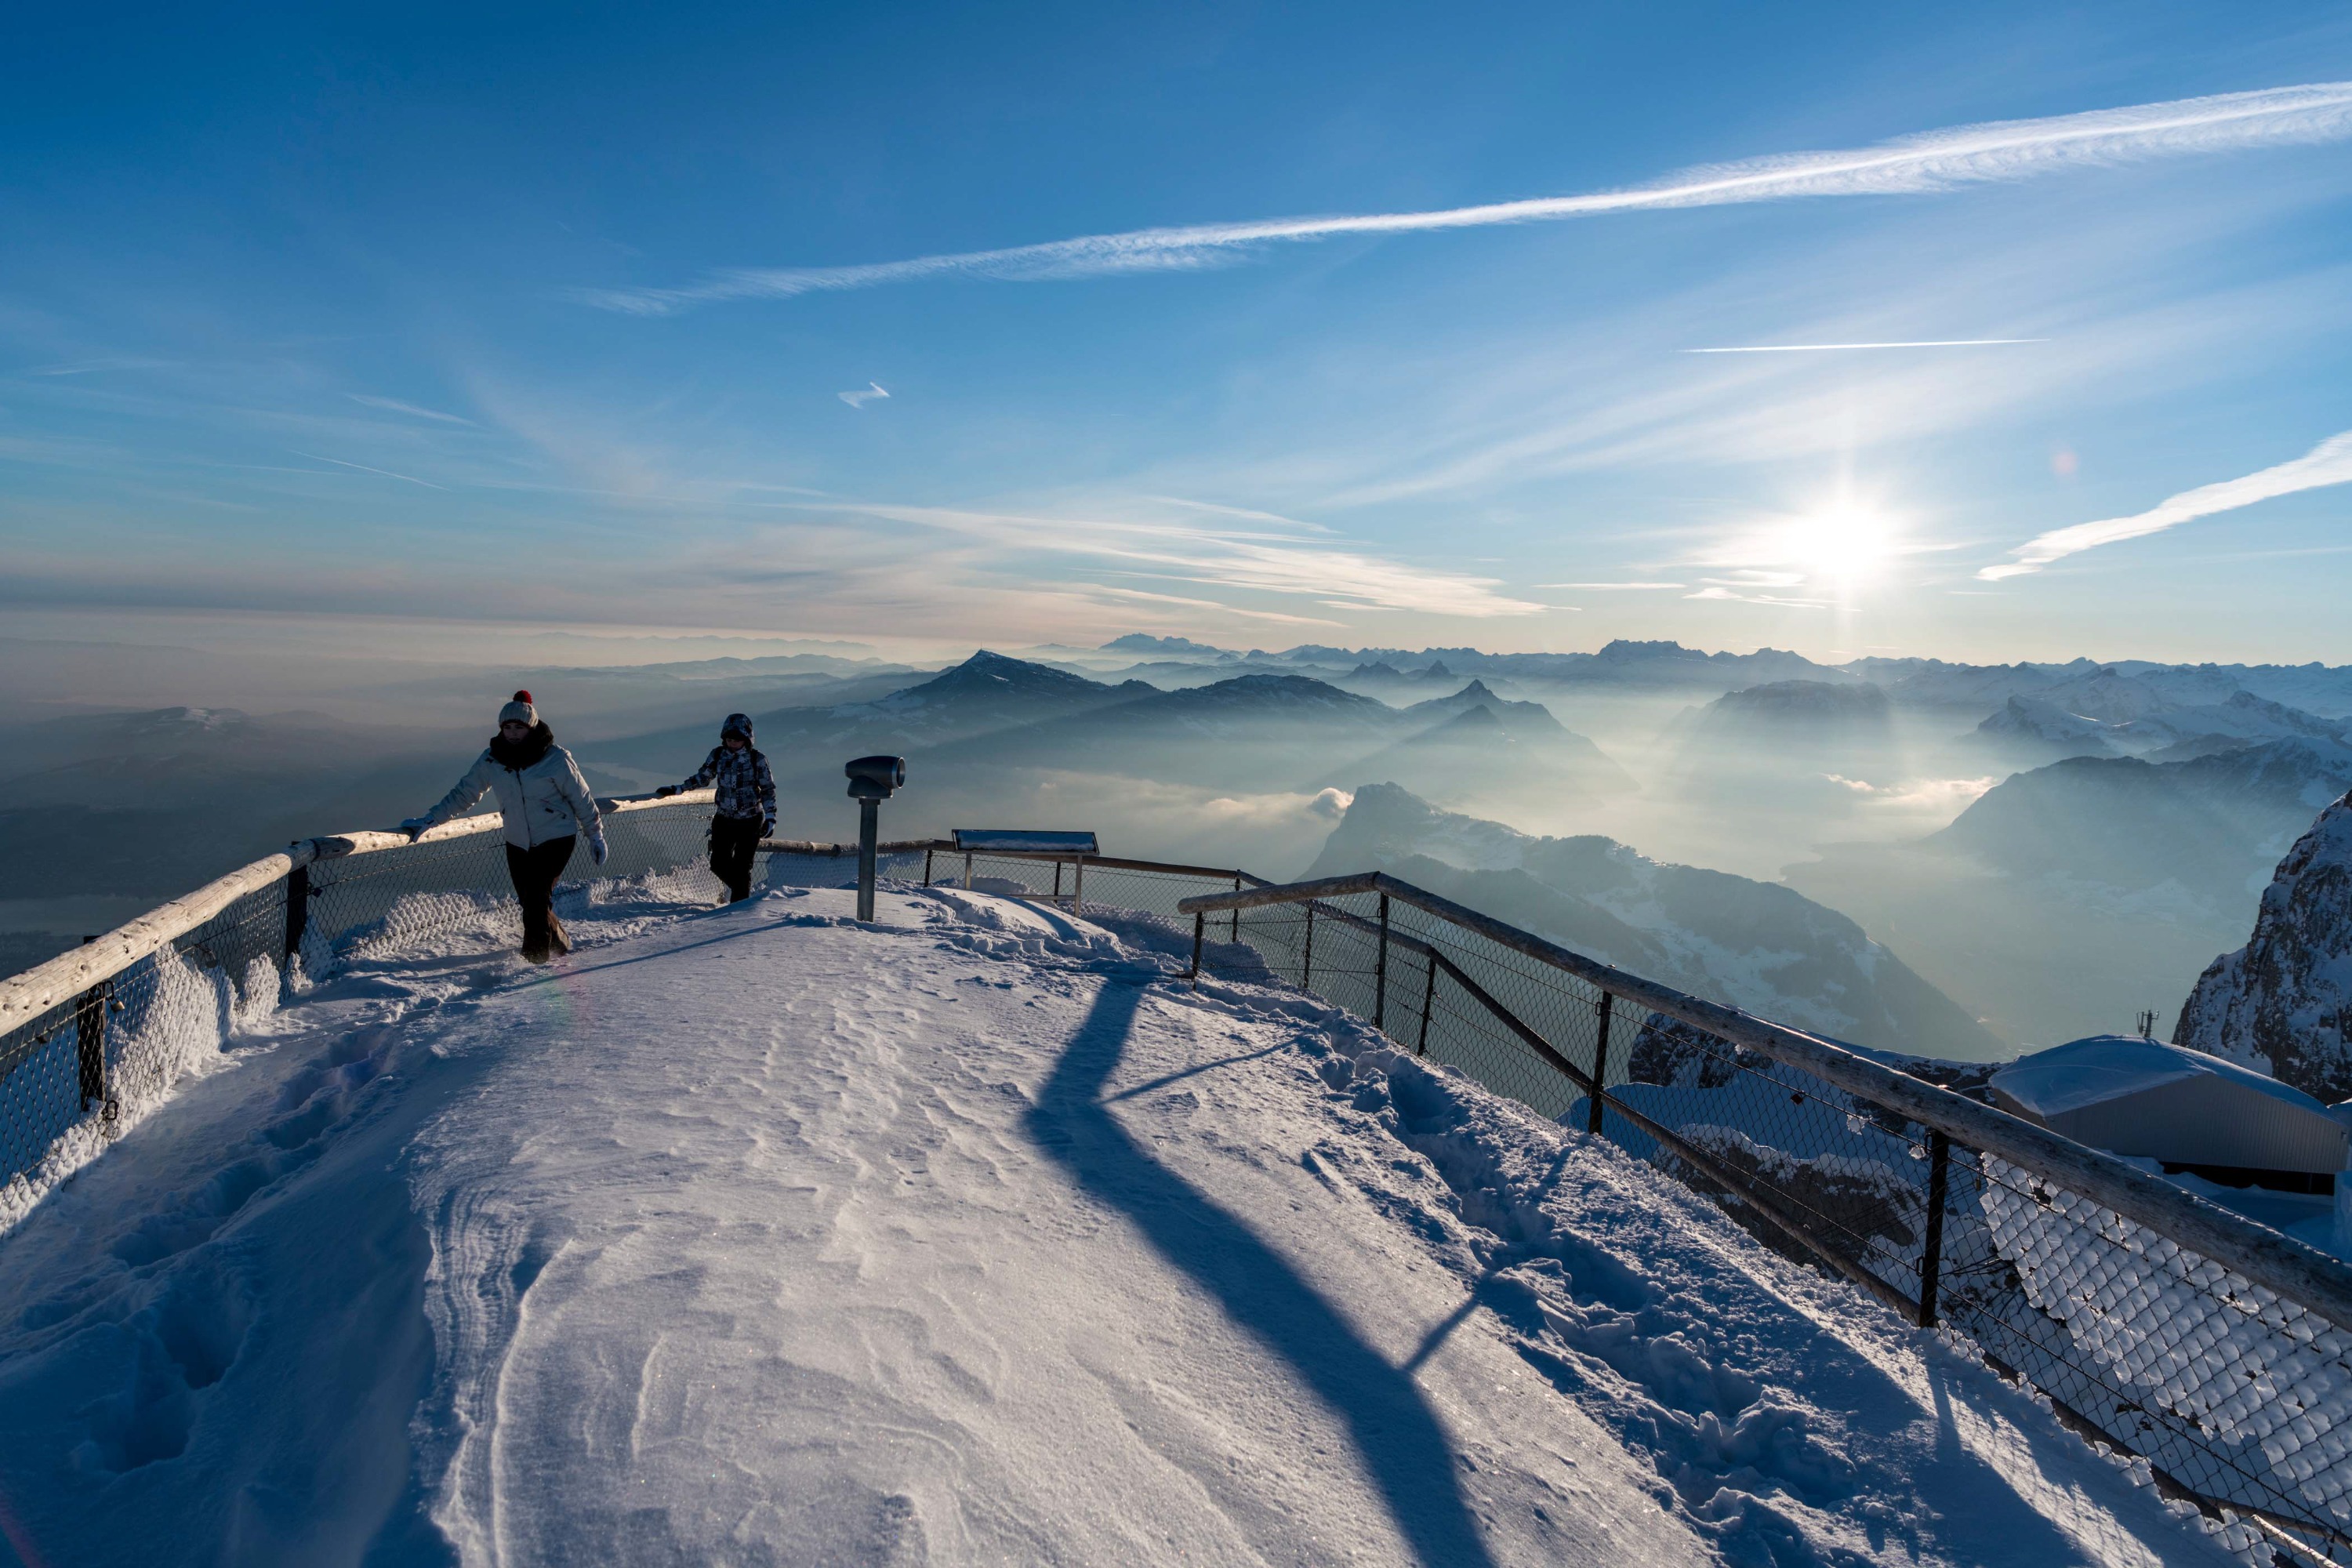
x,y
757,1236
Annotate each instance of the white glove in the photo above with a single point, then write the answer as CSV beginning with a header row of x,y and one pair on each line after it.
x,y
596,846
414,827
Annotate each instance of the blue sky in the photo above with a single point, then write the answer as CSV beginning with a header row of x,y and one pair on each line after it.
x,y
541,319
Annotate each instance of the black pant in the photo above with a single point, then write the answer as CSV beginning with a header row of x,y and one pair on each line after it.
x,y
733,841
534,871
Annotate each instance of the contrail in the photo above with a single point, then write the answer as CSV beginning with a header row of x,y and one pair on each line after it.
x,y
2329,463
1831,347
1930,161
363,468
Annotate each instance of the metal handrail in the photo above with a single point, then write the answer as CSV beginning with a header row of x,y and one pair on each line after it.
x,y
2278,1263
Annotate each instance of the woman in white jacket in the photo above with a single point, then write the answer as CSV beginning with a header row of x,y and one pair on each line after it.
x,y
547,807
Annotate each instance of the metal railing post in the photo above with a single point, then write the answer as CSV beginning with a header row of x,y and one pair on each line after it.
x,y
1306,959
927,867
1200,925
1057,882
1600,1064
1428,1005
1077,884
868,831
1380,972
1931,1249
90,1043
297,908
1237,915
967,873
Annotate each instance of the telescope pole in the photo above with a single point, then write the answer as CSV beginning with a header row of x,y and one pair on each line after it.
x,y
868,830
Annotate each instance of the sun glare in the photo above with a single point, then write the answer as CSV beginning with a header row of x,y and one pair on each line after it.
x,y
1845,546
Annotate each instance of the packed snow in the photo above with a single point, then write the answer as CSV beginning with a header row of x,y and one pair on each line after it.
x,y
753,1236
2107,1067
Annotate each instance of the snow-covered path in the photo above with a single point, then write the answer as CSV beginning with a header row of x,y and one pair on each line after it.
x,y
759,1237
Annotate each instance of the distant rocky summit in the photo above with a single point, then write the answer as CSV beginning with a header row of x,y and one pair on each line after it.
x,y
1813,706
2283,1003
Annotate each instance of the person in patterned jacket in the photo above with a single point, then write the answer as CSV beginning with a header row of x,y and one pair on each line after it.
x,y
736,773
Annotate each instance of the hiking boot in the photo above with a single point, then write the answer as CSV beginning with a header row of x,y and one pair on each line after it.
x,y
534,955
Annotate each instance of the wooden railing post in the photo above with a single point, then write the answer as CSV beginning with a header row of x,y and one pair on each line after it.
x,y
1600,1065
1237,913
1931,1249
1380,972
927,867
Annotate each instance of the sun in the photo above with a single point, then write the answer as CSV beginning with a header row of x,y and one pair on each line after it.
x,y
1842,545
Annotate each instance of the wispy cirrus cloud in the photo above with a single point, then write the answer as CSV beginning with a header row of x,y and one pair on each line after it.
x,y
1840,348
860,399
1724,593
1231,559
2329,463
1996,152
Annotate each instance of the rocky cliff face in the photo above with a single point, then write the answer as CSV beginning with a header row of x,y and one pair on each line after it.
x,y
2283,1003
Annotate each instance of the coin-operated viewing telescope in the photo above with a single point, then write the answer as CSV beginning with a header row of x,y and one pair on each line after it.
x,y
872,781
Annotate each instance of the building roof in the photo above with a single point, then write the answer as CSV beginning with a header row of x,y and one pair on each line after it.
x,y
2105,1067
2142,1096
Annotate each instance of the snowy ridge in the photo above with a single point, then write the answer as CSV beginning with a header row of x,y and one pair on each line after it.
x,y
755,1236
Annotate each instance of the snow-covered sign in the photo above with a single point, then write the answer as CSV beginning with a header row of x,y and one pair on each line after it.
x,y
2141,1097
1024,841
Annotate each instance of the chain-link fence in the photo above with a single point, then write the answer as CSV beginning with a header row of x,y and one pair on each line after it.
x,y
2218,1390
1151,890
2226,1391
93,1040
123,1024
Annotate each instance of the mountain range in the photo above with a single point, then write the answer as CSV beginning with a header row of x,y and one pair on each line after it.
x,y
2069,897
1757,945
1260,730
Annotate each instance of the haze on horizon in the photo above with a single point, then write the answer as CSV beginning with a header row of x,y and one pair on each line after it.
x,y
431,335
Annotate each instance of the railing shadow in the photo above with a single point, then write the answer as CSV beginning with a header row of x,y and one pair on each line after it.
x,y
1401,1445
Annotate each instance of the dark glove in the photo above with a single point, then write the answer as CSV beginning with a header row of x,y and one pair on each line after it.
x,y
414,828
665,792
767,828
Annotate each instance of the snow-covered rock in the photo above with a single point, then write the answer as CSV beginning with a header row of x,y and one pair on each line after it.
x,y
763,1237
2283,1003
